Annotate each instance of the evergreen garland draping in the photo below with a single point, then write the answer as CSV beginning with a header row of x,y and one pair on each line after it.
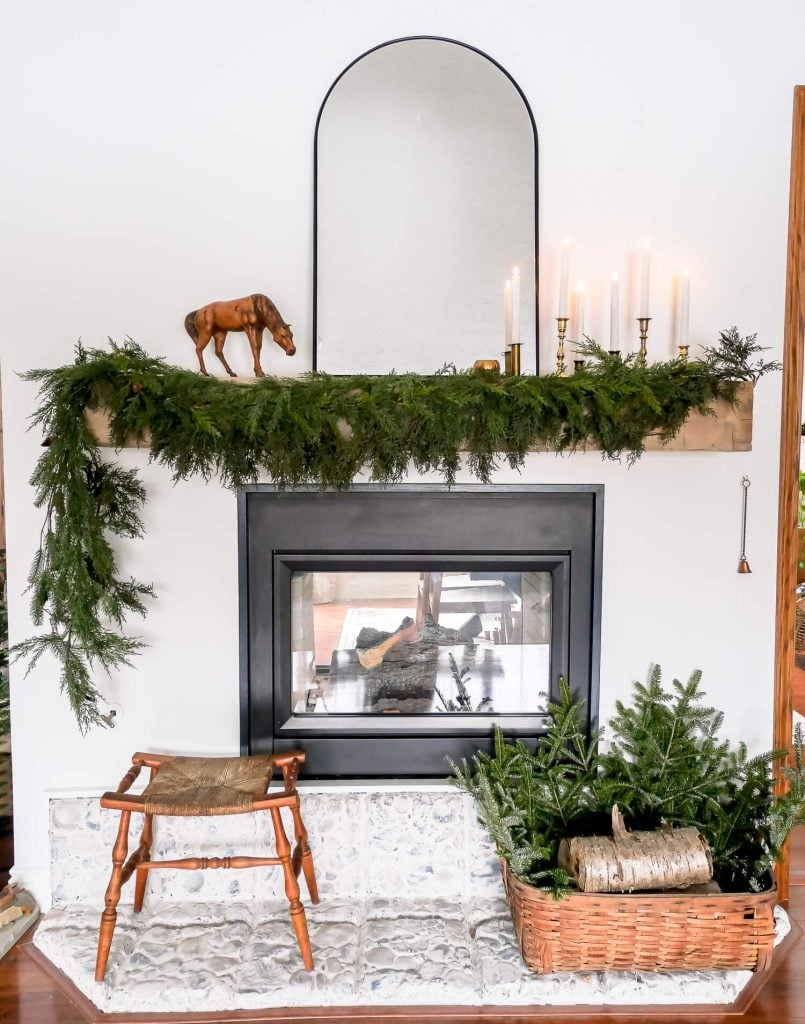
x,y
314,429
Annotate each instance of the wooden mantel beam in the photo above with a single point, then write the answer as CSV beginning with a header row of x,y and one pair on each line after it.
x,y
729,429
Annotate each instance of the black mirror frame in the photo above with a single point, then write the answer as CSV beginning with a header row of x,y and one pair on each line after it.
x,y
374,49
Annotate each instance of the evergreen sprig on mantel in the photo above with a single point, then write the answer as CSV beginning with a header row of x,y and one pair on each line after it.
x,y
315,429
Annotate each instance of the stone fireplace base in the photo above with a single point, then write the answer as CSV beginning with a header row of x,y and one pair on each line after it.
x,y
228,956
412,913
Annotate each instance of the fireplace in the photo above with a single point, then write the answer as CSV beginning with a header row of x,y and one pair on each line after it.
x,y
385,628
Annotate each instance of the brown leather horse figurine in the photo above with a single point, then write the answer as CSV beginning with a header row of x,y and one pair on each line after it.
x,y
252,314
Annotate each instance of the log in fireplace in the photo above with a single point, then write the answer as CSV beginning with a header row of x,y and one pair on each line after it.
x,y
385,628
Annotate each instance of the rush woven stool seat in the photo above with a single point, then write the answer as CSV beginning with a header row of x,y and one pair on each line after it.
x,y
199,787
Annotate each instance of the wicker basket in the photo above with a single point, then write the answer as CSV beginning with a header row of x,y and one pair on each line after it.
x,y
641,931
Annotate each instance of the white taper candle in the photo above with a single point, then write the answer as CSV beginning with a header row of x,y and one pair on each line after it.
x,y
516,305
580,313
614,313
507,312
564,272
645,273
684,308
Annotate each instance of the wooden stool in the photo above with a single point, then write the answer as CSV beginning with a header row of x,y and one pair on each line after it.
x,y
201,786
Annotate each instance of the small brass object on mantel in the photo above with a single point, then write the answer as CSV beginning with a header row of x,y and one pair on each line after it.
x,y
561,329
615,352
490,365
643,322
578,365
507,362
515,359
683,352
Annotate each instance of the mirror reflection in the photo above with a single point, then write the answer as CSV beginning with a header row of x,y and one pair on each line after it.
x,y
426,200
420,642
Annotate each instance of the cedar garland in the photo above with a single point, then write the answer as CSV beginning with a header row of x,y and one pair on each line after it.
x,y
314,429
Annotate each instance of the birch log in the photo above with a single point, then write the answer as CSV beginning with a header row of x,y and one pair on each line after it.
x,y
670,858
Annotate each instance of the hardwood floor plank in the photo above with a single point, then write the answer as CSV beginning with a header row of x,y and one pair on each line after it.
x,y
28,995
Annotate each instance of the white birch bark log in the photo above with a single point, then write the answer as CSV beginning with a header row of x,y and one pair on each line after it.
x,y
671,858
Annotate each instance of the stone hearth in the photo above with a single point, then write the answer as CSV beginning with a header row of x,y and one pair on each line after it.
x,y
412,913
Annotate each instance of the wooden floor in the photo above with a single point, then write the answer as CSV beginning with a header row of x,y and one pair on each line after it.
x,y
329,620
29,994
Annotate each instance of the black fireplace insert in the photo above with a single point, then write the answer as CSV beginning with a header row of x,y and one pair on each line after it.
x,y
383,629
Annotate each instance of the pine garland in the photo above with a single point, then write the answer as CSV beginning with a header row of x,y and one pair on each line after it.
x,y
666,765
312,429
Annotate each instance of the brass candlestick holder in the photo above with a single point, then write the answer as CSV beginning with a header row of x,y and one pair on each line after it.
x,y
514,359
507,362
683,352
615,352
643,322
561,326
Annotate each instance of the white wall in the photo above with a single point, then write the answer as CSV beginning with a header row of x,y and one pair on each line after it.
x,y
157,156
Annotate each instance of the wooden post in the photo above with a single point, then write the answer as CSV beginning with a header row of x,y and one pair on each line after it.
x,y
307,857
144,851
298,919
109,916
790,433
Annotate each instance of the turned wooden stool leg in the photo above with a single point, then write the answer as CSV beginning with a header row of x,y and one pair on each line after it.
x,y
307,857
298,919
109,916
144,853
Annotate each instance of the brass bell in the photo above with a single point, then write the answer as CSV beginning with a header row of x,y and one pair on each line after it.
x,y
743,566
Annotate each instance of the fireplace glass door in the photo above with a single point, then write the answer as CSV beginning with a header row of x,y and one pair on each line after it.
x,y
386,629
408,642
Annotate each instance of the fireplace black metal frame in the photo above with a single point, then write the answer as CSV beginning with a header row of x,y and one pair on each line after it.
x,y
556,528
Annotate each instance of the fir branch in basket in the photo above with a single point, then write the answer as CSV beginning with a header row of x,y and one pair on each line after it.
x,y
666,765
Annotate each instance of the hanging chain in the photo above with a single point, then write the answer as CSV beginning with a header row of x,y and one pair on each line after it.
x,y
746,483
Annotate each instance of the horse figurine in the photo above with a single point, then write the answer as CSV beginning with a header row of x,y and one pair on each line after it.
x,y
252,314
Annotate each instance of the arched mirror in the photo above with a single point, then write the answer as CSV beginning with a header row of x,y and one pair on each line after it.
x,y
426,199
